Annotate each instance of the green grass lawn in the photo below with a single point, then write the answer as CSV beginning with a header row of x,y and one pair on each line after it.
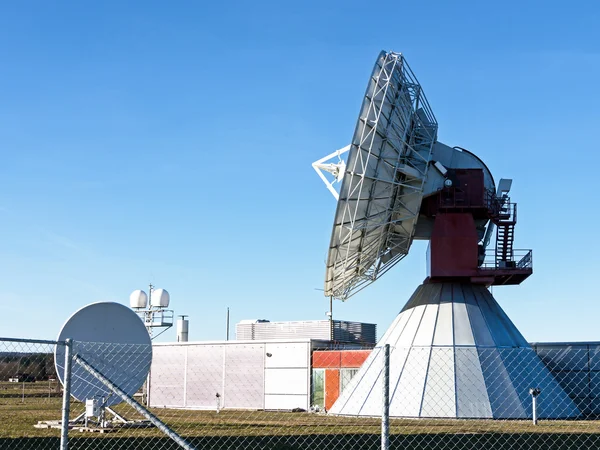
x,y
279,430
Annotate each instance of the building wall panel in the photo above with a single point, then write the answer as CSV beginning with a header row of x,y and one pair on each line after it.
x,y
343,331
594,355
575,384
576,367
324,359
286,381
284,355
204,375
191,375
244,376
595,384
168,377
564,357
332,387
353,358
286,402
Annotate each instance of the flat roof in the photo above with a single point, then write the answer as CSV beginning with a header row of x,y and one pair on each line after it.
x,y
246,341
582,343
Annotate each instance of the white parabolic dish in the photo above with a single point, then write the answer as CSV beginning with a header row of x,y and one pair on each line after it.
x,y
114,340
381,192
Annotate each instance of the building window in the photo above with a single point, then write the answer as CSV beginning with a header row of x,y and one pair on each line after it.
x,y
345,376
318,388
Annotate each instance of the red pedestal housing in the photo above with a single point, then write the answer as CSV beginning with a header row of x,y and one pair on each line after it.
x,y
453,247
454,252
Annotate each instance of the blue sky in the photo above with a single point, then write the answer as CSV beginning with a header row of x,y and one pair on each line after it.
x,y
172,142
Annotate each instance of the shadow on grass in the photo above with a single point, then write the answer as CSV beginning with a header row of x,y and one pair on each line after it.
x,y
546,441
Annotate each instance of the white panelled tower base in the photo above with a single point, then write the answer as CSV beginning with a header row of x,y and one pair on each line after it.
x,y
455,354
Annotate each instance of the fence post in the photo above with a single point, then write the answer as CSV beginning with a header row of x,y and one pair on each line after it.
x,y
66,403
385,413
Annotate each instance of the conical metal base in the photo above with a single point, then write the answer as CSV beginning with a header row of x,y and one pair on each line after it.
x,y
455,354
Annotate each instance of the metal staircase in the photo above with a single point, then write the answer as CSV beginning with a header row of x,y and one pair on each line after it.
x,y
505,220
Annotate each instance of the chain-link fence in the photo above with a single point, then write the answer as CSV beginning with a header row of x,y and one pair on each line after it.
x,y
296,395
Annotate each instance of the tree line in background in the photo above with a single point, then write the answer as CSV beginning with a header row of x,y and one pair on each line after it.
x,y
27,366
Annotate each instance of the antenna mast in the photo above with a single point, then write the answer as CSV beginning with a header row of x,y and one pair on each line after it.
x,y
153,309
227,326
149,315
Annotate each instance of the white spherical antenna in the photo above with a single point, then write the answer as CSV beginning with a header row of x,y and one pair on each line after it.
x,y
138,299
160,298
114,340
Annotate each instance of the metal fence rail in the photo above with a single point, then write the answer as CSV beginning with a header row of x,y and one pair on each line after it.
x,y
245,395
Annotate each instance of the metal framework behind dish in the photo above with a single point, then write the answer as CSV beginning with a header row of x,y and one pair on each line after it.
x,y
382,188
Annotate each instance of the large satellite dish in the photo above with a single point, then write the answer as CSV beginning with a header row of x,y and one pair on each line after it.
x,y
400,183
383,179
113,339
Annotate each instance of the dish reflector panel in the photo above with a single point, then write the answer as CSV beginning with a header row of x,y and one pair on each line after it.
x,y
382,188
113,339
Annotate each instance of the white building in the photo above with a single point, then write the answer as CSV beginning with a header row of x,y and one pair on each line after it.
x,y
273,374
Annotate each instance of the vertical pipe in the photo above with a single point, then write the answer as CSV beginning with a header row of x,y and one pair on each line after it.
x,y
227,323
148,386
66,403
534,392
385,413
331,333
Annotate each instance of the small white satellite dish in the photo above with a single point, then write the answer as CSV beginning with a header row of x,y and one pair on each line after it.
x,y
138,299
160,298
114,340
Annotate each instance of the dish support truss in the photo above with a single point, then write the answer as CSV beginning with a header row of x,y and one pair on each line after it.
x,y
384,177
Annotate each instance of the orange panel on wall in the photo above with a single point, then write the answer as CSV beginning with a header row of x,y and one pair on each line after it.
x,y
332,387
354,358
324,359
